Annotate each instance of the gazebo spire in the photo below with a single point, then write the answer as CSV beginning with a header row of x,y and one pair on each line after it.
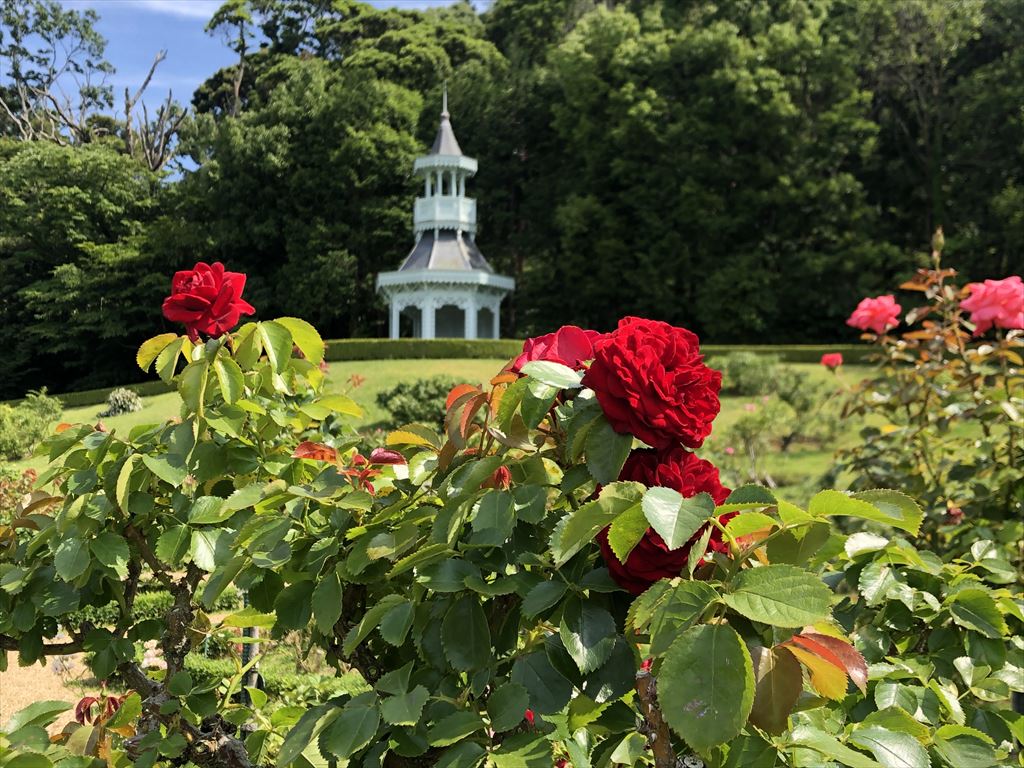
x,y
444,102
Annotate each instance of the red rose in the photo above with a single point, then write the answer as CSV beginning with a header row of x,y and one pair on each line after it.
x,y
996,302
832,360
651,382
569,345
651,559
207,300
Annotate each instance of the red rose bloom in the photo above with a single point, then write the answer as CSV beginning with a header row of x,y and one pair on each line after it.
x,y
651,382
569,345
832,360
651,558
207,299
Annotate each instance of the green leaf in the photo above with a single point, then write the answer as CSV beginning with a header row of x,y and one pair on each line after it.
x,y
167,359
746,523
675,518
975,609
327,602
796,547
230,378
588,633
965,747
305,337
71,558
553,374
249,617
193,385
549,690
294,605
207,510
170,468
453,728
469,754
369,622
128,712
203,548
277,343
304,733
831,747
581,525
524,750
706,685
406,708
876,580
151,348
542,597
779,682
39,714
173,544
180,684
628,751
780,595
353,728
606,451
880,506
111,550
680,610
506,706
890,748
397,622
897,719
465,635
626,532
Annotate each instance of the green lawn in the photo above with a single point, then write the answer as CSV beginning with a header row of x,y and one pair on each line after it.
x,y
796,465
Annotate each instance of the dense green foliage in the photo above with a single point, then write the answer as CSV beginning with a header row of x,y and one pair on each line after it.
x,y
652,154
25,424
422,400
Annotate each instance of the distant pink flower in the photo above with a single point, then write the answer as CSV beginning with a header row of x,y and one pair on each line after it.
x,y
749,407
878,314
569,345
729,450
832,360
996,302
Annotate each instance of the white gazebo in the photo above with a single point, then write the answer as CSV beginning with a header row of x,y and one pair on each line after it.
x,y
445,286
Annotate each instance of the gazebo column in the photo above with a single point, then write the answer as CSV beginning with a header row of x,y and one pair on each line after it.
x,y
471,315
427,312
497,319
395,311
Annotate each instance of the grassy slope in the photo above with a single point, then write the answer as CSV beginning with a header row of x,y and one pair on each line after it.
x,y
381,374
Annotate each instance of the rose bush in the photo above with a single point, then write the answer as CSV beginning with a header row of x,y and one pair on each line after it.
x,y
456,583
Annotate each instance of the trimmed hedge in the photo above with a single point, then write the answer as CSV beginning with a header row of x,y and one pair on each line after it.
x,y
793,353
150,604
340,350
204,670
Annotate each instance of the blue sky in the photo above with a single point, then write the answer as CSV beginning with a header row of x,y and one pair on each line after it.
x,y
136,29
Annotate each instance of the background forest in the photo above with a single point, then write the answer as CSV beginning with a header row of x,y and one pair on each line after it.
x,y
654,155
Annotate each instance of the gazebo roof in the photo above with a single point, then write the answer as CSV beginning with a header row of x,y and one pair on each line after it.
x,y
445,142
445,249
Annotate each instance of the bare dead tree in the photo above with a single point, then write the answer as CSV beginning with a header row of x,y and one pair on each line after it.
x,y
151,140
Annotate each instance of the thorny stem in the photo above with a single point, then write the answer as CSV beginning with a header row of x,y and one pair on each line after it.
x,y
654,727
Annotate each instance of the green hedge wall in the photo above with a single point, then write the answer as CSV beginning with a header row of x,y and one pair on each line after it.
x,y
339,350
150,604
276,683
794,353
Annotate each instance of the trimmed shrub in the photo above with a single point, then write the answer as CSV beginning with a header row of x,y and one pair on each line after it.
x,y
420,401
121,400
399,349
206,670
25,424
149,604
747,373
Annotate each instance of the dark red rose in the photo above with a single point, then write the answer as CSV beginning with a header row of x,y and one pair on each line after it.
x,y
569,345
675,468
652,383
207,299
651,559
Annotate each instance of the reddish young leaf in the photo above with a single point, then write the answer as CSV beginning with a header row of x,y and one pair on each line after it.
x,y
386,456
505,377
855,665
827,678
315,451
469,412
459,391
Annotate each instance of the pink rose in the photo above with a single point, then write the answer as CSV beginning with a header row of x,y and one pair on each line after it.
x,y
996,302
569,345
878,314
832,360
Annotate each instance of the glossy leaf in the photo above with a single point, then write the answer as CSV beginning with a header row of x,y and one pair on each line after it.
x,y
780,595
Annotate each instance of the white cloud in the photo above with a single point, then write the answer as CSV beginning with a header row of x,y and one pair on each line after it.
x,y
189,9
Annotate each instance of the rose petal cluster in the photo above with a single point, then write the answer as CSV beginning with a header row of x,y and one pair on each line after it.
x,y
569,345
207,299
651,559
651,382
877,314
832,360
998,303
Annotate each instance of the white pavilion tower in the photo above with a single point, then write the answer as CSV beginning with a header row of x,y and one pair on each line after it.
x,y
445,285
